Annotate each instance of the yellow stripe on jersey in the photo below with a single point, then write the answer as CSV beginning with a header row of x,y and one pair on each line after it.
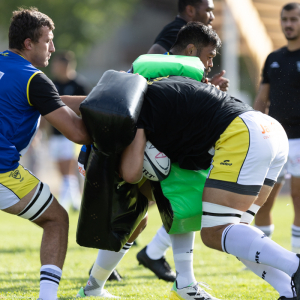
x,y
230,152
28,83
20,181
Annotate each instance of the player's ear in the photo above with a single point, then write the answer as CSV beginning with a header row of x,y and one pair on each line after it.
x,y
28,44
190,50
190,11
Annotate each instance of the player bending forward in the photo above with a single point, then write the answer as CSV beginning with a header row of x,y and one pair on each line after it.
x,y
190,121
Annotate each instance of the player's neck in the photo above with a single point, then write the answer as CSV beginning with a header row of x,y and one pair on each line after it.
x,y
293,45
19,52
184,17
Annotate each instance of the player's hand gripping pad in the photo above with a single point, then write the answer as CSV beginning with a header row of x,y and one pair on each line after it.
x,y
111,209
111,109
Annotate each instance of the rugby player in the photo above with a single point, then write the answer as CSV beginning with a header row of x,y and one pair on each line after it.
x,y
25,94
194,39
186,120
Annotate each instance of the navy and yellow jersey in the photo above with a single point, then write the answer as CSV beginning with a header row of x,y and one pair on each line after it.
x,y
25,94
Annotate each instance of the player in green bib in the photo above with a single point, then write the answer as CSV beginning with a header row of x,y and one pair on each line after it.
x,y
191,56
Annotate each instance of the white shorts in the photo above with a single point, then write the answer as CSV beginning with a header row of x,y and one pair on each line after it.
x,y
14,185
250,153
292,165
61,148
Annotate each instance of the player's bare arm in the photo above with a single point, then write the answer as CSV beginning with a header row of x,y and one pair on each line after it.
x,y
73,102
69,124
132,159
262,98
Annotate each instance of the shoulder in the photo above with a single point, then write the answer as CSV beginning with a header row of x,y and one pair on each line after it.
x,y
277,53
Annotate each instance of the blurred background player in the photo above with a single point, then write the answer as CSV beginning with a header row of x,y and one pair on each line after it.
x,y
278,96
153,255
62,150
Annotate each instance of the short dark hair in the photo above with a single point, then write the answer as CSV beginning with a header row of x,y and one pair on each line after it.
x,y
291,6
26,23
182,4
198,34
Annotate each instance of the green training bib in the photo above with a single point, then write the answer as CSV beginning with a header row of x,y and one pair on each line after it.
x,y
184,190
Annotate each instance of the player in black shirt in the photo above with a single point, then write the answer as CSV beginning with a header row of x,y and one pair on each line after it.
x,y
188,10
280,87
184,119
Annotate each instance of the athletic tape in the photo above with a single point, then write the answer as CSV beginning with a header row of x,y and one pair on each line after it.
x,y
249,215
40,201
215,215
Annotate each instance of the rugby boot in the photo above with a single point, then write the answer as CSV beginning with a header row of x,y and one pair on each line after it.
x,y
285,298
159,267
296,280
113,276
192,292
103,294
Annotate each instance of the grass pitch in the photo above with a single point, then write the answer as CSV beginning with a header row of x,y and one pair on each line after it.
x,y
19,263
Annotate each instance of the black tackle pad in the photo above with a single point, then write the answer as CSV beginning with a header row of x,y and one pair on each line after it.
x,y
111,110
110,209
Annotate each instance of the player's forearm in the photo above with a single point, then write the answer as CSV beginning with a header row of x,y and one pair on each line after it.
x,y
132,159
73,102
82,136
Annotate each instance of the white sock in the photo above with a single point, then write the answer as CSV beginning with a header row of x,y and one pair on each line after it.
x,y
267,230
295,239
159,245
182,245
70,192
248,242
49,281
105,263
75,191
280,281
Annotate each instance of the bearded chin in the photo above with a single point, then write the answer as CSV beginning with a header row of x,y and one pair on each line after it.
x,y
291,38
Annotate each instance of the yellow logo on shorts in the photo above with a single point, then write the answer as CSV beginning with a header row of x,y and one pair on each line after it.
x,y
16,175
226,163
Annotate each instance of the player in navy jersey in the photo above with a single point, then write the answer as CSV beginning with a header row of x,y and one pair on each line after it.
x,y
26,93
279,97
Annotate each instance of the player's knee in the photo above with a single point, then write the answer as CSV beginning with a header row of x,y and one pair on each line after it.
x,y
214,220
207,236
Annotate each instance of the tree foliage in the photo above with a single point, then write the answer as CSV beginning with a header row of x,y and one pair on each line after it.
x,y
79,23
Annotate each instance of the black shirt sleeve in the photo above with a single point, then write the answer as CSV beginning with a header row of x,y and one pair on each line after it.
x,y
43,94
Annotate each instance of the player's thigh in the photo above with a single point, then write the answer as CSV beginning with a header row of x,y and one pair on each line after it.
x,y
250,153
24,195
243,156
17,189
